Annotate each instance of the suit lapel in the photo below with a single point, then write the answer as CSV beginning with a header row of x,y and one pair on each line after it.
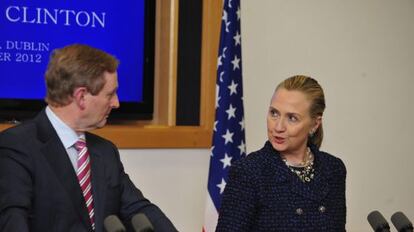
x,y
98,187
58,159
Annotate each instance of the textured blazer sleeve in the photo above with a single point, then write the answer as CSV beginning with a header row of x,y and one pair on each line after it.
x,y
238,203
342,189
15,190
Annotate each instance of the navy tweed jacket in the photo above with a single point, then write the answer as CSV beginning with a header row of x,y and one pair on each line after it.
x,y
262,194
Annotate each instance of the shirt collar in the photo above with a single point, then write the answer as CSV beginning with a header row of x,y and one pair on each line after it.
x,y
66,134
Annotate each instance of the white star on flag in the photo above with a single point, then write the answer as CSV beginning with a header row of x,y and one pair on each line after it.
x,y
226,161
235,63
231,112
217,96
230,3
222,185
219,62
226,21
233,88
224,52
237,39
225,16
221,76
228,137
241,123
242,148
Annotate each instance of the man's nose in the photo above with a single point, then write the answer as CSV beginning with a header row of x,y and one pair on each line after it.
x,y
115,102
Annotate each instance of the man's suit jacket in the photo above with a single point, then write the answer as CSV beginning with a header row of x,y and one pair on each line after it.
x,y
39,190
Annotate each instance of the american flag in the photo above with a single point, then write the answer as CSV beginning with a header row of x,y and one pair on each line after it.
x,y
228,136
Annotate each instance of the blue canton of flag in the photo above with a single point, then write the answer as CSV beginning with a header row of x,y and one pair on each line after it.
x,y
228,136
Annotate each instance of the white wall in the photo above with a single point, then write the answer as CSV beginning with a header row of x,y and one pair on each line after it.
x,y
174,179
362,53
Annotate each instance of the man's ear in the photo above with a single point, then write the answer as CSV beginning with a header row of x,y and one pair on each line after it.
x,y
79,95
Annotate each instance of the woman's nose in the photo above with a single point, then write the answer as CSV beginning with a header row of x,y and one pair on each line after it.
x,y
280,125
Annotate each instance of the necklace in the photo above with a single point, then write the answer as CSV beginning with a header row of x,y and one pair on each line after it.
x,y
304,170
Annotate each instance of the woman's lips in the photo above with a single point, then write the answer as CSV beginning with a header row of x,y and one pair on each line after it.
x,y
278,140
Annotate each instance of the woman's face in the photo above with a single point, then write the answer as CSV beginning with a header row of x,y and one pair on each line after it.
x,y
289,122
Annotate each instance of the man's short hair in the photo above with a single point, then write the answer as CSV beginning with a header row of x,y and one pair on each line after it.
x,y
76,66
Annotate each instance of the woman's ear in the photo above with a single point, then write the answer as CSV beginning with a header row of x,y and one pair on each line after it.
x,y
317,123
79,97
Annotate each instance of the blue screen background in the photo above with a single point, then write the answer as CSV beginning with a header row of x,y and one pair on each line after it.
x,y
122,36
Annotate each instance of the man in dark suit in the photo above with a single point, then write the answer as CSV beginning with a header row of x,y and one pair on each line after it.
x,y
54,175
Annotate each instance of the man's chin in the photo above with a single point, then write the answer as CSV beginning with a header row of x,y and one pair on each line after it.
x,y
98,125
101,124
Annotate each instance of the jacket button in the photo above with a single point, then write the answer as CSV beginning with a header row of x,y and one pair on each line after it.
x,y
299,211
322,209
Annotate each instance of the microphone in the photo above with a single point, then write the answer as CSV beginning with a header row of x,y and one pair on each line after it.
x,y
378,222
141,223
401,222
113,224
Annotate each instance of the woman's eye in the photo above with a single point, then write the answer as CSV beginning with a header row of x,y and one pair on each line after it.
x,y
273,113
293,119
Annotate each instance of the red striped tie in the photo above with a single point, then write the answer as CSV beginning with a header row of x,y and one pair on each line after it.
x,y
84,177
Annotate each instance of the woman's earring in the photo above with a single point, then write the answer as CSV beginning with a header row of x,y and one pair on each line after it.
x,y
311,133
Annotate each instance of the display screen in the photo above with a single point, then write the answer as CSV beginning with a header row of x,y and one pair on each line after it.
x,y
30,30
